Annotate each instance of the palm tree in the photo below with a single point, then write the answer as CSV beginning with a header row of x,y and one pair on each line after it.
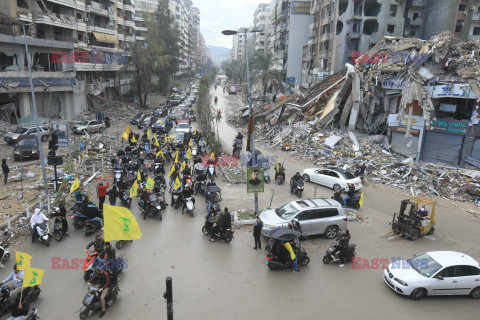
x,y
263,64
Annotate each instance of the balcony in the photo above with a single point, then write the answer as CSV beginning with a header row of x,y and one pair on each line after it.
x,y
121,37
97,8
138,18
61,21
128,8
129,23
138,28
120,4
417,3
67,3
140,38
100,28
120,21
129,39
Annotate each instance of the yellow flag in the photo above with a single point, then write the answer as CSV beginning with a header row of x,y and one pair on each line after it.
x,y
190,143
183,166
159,153
120,224
166,141
33,277
139,176
361,201
134,139
134,189
172,169
150,183
177,184
176,158
75,185
212,156
148,133
195,131
188,155
126,132
156,141
22,260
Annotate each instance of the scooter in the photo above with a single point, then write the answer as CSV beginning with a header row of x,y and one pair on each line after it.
x,y
298,188
279,179
125,198
58,233
118,170
353,202
275,262
194,150
92,303
176,198
211,171
91,226
88,265
29,294
4,253
189,205
333,253
42,233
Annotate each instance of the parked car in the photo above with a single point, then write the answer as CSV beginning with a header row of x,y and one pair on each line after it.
x,y
316,216
25,132
139,117
435,273
145,122
182,127
334,178
178,142
90,126
26,148
160,111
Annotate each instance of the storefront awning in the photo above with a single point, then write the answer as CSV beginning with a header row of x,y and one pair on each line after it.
x,y
107,38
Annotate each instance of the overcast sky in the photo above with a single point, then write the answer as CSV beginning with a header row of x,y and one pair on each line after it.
x,y
218,15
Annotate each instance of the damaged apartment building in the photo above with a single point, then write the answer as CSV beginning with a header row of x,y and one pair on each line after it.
x,y
345,29
76,50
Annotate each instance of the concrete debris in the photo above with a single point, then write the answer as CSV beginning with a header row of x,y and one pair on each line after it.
x,y
332,141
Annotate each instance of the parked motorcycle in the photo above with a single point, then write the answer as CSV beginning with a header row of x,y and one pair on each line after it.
x,y
333,253
58,233
42,233
92,303
298,188
91,226
353,202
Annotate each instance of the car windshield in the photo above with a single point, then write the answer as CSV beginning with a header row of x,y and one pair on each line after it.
x,y
348,175
425,265
21,130
183,126
287,211
30,142
179,137
161,121
83,123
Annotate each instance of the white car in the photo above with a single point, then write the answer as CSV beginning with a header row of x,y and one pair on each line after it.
x,y
334,178
435,273
182,127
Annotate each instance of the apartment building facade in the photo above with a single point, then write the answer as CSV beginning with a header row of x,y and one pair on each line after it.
x,y
261,21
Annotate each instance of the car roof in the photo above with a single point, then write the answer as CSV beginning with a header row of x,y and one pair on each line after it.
x,y
316,203
452,258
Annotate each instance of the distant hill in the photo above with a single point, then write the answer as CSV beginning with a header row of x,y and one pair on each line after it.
x,y
218,53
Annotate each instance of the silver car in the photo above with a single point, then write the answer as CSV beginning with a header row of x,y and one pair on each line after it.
x,y
316,216
90,126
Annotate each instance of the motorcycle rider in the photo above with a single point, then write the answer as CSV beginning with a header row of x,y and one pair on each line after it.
x,y
37,219
187,193
199,179
17,280
350,193
343,241
288,246
98,244
295,179
280,170
104,282
79,197
122,185
239,136
92,213
220,221
61,212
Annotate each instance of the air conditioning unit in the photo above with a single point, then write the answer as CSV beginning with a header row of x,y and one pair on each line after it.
x,y
86,19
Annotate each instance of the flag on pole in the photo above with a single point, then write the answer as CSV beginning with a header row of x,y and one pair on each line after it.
x,y
22,260
148,133
177,184
176,158
183,166
33,277
134,139
139,176
156,141
188,155
212,156
159,153
172,169
190,143
126,132
195,131
134,189
361,201
150,183
120,224
75,185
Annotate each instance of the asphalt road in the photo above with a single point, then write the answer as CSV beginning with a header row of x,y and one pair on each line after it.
x,y
231,281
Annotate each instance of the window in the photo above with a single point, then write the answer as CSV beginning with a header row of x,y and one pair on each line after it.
x,y
458,28
462,7
467,271
391,28
476,31
415,16
393,10
306,215
333,174
80,37
326,213
448,272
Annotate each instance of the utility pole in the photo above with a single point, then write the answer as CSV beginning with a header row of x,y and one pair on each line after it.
x,y
35,114
52,146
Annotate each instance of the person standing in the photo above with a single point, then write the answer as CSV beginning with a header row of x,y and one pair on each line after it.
x,y
101,192
5,170
113,195
257,232
288,246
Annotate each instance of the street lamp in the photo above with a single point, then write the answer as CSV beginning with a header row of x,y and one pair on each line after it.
x,y
35,114
249,97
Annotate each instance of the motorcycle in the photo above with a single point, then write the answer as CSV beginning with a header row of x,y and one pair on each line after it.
x,y
279,178
58,233
91,226
211,171
274,261
79,220
118,170
298,188
225,234
189,205
32,314
353,202
42,233
153,207
125,198
119,245
194,150
4,253
29,294
88,265
92,303
202,146
333,253
176,198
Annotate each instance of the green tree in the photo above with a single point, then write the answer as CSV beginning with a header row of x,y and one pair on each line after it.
x,y
263,65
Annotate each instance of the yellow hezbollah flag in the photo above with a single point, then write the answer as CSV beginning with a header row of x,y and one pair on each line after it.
x,y
22,260
177,184
172,169
139,176
33,277
148,133
361,200
166,141
190,143
150,183
126,132
176,158
183,166
75,185
134,139
212,156
134,189
156,141
120,224
159,153
195,131
188,155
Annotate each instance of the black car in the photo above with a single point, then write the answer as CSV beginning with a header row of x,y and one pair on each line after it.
x,y
178,142
26,148
161,111
139,117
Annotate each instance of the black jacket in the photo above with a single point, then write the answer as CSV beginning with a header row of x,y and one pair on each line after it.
x,y
343,240
111,253
98,245
112,194
351,191
5,167
257,229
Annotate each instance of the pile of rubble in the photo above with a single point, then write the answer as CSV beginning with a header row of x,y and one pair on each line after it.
x,y
345,150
